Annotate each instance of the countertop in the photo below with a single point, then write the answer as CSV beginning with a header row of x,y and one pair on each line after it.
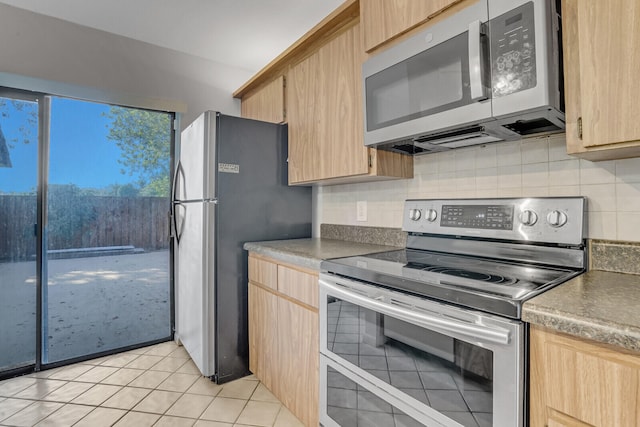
x,y
310,253
598,305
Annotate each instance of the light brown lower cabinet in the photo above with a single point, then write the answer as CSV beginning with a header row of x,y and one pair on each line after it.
x,y
283,334
263,308
580,383
298,357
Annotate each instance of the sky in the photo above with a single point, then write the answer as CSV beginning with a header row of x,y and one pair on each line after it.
x,y
79,153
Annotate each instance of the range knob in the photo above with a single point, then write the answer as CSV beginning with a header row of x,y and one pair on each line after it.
x,y
415,214
557,218
528,217
431,215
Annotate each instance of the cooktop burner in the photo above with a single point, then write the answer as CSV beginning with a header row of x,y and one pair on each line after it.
x,y
462,273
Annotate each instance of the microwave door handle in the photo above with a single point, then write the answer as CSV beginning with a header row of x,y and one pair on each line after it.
x,y
476,62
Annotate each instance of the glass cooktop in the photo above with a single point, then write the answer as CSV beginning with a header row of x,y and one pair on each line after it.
x,y
487,284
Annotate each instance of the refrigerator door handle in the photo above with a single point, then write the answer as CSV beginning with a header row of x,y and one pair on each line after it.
x,y
178,226
178,177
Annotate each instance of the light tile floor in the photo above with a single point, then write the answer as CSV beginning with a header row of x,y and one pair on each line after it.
x,y
153,386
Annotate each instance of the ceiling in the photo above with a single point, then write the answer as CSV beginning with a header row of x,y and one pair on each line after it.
x,y
246,34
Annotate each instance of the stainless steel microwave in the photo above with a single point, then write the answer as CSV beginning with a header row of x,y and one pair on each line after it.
x,y
490,72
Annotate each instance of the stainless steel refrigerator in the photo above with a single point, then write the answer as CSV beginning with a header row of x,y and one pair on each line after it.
x,y
230,187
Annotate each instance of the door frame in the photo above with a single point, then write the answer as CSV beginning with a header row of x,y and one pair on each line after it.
x,y
44,114
42,144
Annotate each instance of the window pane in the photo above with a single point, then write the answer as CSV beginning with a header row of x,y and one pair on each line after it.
x,y
18,216
107,228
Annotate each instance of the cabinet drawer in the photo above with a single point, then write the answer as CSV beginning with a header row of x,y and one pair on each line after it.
x,y
263,272
298,285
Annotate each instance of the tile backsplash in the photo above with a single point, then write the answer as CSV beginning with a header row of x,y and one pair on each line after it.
x,y
532,167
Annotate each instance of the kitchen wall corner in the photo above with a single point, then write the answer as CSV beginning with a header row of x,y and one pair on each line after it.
x,y
47,54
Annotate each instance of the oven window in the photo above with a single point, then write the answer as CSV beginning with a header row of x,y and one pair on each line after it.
x,y
451,376
351,405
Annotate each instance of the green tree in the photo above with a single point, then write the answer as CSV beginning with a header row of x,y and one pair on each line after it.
x,y
144,138
27,113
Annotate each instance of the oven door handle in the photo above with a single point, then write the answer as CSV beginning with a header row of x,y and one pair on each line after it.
x,y
438,323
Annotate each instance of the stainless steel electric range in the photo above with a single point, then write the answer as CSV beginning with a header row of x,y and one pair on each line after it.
x,y
431,334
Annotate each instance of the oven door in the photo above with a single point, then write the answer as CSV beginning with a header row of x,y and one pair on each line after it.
x,y
436,80
434,363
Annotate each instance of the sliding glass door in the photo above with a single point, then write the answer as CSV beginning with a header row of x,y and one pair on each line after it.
x,y
108,255
19,120
85,259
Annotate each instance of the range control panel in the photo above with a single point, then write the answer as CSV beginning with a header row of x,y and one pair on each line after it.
x,y
496,217
545,219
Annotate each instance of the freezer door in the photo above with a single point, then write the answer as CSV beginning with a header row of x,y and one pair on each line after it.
x,y
255,204
195,254
195,174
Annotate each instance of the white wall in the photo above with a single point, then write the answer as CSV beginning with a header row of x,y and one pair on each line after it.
x,y
82,62
527,168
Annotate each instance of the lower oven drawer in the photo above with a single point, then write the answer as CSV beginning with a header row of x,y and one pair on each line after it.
x,y
451,367
348,400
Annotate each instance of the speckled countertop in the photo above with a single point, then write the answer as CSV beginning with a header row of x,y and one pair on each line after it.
x,y
598,305
310,253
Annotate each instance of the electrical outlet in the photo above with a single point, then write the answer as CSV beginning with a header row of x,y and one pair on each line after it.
x,y
361,210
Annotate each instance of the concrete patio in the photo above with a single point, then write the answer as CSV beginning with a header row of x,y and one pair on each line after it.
x,y
94,304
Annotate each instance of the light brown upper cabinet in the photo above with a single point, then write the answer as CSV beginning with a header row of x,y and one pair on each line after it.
x,y
323,105
266,102
602,89
326,119
325,112
383,20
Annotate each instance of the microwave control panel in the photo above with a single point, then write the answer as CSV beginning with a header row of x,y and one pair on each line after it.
x,y
513,53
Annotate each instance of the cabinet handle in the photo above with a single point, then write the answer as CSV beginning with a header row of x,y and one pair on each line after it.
x,y
580,127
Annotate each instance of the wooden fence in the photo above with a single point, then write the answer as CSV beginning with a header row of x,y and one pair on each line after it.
x,y
95,222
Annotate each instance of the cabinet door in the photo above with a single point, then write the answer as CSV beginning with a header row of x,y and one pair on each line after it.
x,y
298,351
602,89
579,383
304,140
343,153
263,329
325,112
382,20
265,103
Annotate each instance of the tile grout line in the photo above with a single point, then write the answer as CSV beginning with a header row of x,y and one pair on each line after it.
x,y
164,413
